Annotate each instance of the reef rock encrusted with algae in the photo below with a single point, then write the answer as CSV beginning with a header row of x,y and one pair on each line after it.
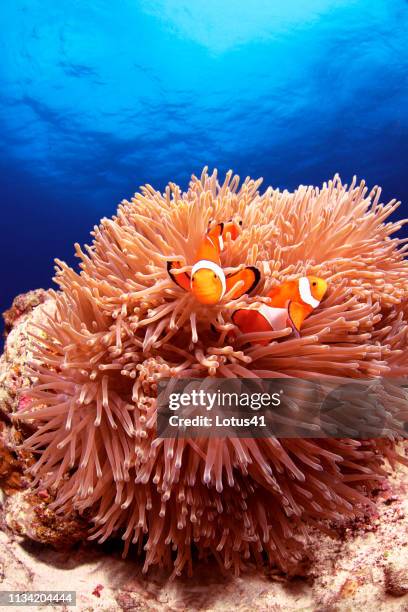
x,y
121,324
26,512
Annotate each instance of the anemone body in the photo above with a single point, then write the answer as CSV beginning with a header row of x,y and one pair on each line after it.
x,y
121,324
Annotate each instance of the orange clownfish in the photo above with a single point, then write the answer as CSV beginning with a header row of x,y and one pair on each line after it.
x,y
290,304
208,282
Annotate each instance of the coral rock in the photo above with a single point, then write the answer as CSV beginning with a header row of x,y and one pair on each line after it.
x,y
25,512
396,578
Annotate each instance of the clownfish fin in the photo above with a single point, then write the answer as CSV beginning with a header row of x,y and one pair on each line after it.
x,y
182,280
297,314
251,277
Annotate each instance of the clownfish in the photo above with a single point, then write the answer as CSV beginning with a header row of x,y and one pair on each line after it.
x,y
290,304
208,282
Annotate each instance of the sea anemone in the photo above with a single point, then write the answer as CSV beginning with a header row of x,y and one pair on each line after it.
x,y
121,324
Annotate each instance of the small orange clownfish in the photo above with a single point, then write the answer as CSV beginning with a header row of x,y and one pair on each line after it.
x,y
208,282
290,304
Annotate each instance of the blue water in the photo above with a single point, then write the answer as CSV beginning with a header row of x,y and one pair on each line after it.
x,y
98,97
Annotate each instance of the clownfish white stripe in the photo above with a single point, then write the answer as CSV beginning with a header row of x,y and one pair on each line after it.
x,y
276,317
305,293
213,242
210,265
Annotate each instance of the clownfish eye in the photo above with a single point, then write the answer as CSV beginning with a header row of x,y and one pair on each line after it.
x,y
193,279
214,275
239,222
314,284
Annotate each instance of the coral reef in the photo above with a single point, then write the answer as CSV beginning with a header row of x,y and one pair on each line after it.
x,y
120,324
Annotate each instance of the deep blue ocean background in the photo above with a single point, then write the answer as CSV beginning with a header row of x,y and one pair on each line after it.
x,y
99,97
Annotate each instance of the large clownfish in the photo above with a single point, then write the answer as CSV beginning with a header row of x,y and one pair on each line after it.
x,y
207,281
290,304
